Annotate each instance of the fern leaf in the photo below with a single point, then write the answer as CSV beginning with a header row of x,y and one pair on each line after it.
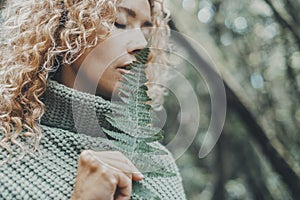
x,y
133,132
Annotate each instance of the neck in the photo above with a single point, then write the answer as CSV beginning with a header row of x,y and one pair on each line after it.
x,y
66,76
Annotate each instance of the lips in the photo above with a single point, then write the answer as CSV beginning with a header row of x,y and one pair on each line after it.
x,y
125,69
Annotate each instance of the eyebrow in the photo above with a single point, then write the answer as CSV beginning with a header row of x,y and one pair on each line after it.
x,y
132,13
129,11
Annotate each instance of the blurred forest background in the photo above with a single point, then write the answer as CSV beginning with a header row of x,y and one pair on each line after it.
x,y
255,45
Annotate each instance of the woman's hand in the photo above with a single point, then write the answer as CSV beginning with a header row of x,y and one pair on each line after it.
x,y
105,175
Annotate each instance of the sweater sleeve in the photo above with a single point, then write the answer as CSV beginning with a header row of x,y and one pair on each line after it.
x,y
52,174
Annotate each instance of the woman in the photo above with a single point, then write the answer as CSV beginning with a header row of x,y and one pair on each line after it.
x,y
57,54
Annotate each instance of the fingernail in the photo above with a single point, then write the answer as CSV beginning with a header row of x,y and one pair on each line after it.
x,y
140,175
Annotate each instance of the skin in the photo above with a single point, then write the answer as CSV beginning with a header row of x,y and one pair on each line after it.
x,y
104,175
99,69
108,175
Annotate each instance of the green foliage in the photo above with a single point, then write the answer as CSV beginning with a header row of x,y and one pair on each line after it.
x,y
134,134
255,45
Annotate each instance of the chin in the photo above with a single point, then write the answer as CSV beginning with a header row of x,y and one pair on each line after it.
x,y
109,93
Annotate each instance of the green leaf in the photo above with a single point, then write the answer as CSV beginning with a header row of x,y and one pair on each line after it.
x,y
133,133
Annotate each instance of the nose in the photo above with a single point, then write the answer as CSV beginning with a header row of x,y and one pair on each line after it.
x,y
136,42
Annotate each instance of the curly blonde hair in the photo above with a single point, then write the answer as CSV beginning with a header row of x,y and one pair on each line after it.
x,y
36,37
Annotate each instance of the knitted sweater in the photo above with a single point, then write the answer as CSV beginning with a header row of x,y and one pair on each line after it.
x,y
72,122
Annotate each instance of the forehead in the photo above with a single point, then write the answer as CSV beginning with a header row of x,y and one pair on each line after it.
x,y
140,7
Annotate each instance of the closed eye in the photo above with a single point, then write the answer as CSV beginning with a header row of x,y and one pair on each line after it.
x,y
148,24
121,26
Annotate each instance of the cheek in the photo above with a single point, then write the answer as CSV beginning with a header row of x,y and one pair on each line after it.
x,y
108,83
110,75
81,60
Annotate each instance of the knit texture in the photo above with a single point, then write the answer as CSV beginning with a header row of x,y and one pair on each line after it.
x,y
72,123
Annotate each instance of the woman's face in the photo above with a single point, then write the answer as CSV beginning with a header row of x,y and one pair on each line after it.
x,y
100,68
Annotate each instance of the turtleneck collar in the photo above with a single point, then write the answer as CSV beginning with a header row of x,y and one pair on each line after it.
x,y
75,111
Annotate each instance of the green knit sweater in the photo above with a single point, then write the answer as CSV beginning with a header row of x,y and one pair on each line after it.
x,y
72,122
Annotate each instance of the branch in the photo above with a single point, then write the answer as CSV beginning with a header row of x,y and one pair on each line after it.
x,y
219,190
293,11
250,167
278,162
283,22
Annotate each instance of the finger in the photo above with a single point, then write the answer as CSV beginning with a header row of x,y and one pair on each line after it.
x,y
126,167
118,161
137,176
124,187
131,168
